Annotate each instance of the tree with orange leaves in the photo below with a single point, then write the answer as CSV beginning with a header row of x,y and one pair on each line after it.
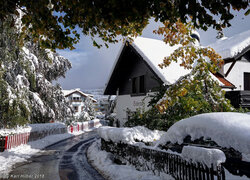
x,y
196,92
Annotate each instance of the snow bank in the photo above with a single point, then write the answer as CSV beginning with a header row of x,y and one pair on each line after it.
x,y
103,161
32,128
23,152
46,126
203,155
17,130
10,157
129,135
227,129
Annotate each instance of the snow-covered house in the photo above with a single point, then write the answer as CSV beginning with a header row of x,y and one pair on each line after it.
x,y
136,74
76,98
235,51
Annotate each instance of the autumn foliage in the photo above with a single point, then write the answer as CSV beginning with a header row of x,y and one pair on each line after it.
x,y
198,91
62,21
195,93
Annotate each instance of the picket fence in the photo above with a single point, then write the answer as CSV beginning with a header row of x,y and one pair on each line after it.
x,y
148,159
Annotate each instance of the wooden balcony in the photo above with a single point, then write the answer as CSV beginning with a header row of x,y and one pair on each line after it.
x,y
75,100
239,98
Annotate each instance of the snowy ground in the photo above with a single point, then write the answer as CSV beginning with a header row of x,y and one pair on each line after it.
x,y
102,161
23,152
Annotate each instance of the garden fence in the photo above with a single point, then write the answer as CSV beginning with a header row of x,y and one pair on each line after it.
x,y
147,159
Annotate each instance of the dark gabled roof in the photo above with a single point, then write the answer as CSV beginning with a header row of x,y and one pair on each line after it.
x,y
152,52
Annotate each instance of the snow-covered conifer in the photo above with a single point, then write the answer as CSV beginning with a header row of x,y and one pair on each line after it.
x,y
26,74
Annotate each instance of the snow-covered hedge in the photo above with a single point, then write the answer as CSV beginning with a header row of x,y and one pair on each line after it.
x,y
203,155
103,161
129,135
227,129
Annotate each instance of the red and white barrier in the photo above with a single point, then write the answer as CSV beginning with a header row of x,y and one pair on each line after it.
x,y
15,140
84,126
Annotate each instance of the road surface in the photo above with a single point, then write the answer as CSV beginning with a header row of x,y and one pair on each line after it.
x,y
64,160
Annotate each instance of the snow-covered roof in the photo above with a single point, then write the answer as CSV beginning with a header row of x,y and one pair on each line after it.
x,y
227,129
153,52
229,47
77,90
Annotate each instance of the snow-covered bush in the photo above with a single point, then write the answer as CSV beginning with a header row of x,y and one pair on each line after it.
x,y
112,119
100,115
88,112
207,156
151,119
193,94
26,74
225,129
129,135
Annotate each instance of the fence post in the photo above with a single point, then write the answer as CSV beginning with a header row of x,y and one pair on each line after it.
x,y
2,143
220,173
6,143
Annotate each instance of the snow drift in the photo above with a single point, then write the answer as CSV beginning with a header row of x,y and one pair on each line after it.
x,y
129,135
227,129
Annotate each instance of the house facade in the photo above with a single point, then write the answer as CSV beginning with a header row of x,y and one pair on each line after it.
x,y
236,54
136,75
76,98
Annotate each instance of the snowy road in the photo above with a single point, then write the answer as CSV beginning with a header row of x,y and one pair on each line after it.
x,y
64,160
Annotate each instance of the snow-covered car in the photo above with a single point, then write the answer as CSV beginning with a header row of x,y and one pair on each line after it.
x,y
227,131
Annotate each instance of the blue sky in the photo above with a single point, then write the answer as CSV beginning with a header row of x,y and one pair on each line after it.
x,y
91,66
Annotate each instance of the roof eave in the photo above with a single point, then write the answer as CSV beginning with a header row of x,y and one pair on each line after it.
x,y
113,68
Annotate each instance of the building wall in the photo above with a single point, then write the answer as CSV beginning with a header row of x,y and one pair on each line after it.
x,y
76,103
236,75
138,67
125,102
130,65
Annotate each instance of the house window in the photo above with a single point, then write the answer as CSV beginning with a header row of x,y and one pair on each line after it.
x,y
134,85
76,108
76,99
142,86
138,85
246,81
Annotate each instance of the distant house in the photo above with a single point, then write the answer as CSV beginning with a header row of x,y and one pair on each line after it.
x,y
236,54
136,74
76,98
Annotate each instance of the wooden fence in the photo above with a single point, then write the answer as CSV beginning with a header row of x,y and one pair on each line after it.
x,y
146,159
